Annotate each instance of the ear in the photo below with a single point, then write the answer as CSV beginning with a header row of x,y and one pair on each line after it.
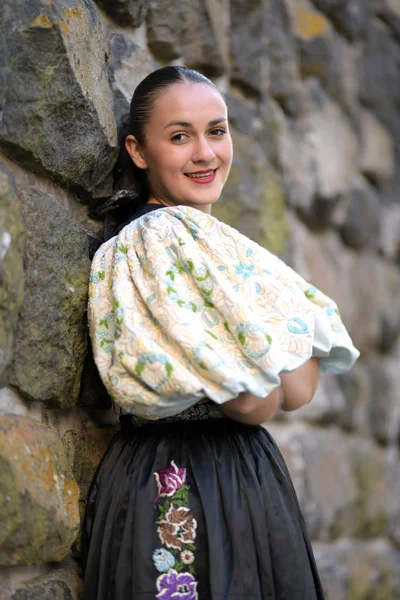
x,y
135,151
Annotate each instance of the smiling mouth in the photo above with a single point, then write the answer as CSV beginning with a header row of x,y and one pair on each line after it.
x,y
201,174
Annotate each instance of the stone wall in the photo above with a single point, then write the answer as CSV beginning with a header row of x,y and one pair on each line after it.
x,y
313,90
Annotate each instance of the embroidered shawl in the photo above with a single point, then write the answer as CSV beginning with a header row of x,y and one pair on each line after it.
x,y
182,307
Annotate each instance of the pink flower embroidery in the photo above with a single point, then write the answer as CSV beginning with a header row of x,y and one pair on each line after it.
x,y
169,480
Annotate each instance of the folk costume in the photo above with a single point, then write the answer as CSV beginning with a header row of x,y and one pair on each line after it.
x,y
185,313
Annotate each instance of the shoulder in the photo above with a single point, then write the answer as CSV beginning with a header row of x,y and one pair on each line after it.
x,y
143,210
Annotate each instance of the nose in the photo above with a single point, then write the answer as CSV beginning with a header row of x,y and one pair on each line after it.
x,y
203,151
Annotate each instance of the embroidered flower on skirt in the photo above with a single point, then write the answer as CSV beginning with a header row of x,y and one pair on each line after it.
x,y
163,560
177,586
176,528
187,557
169,480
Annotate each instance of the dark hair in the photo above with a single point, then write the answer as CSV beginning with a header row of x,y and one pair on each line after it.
x,y
130,187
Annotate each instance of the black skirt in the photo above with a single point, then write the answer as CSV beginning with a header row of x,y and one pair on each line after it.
x,y
199,509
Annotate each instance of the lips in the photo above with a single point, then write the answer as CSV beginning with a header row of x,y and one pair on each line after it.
x,y
202,176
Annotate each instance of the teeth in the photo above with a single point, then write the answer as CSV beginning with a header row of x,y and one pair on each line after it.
x,y
194,175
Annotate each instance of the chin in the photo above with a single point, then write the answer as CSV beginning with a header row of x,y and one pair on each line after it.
x,y
208,198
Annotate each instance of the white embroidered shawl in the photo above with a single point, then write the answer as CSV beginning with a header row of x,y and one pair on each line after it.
x,y
182,307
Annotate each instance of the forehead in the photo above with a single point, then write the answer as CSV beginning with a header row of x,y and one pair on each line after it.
x,y
192,102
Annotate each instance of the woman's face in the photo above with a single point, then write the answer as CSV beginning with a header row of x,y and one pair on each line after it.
x,y
187,152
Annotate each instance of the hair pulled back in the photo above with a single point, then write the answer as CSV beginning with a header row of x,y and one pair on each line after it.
x,y
130,187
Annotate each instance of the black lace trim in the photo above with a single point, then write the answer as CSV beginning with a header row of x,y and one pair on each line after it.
x,y
199,412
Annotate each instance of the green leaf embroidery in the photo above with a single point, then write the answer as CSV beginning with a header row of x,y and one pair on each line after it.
x,y
193,307
169,368
203,366
212,334
191,547
162,510
180,502
171,274
242,338
208,304
179,267
178,566
268,338
171,290
206,276
191,570
139,368
181,303
190,265
309,294
207,292
104,342
103,323
123,249
101,275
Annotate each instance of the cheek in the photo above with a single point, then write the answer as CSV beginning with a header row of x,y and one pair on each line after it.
x,y
228,151
172,163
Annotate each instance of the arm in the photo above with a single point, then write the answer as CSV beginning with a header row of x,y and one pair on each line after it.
x,y
252,410
298,387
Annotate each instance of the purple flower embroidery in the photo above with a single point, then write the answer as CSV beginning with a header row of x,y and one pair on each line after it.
x,y
176,586
169,480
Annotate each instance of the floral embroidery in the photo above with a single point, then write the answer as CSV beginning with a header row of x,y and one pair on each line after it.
x,y
187,557
169,281
169,480
179,527
177,586
167,534
163,560
245,271
176,529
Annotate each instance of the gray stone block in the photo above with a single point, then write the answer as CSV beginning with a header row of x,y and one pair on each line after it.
x,y
125,12
185,29
56,105
50,338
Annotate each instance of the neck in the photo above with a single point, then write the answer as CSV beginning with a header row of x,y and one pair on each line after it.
x,y
206,208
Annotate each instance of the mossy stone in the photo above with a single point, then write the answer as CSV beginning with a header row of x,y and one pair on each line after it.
x,y
11,264
39,516
51,333
57,111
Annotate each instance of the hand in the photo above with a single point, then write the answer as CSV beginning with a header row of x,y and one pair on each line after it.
x,y
298,387
252,410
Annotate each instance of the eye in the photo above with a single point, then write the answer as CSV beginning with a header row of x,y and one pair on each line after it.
x,y
218,131
179,137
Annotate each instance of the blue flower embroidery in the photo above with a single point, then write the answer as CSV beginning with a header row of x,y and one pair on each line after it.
x,y
163,560
332,311
244,271
297,325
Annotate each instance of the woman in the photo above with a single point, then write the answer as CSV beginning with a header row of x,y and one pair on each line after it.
x,y
200,336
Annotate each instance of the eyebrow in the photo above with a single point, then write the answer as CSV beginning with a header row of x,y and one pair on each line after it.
x,y
190,126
